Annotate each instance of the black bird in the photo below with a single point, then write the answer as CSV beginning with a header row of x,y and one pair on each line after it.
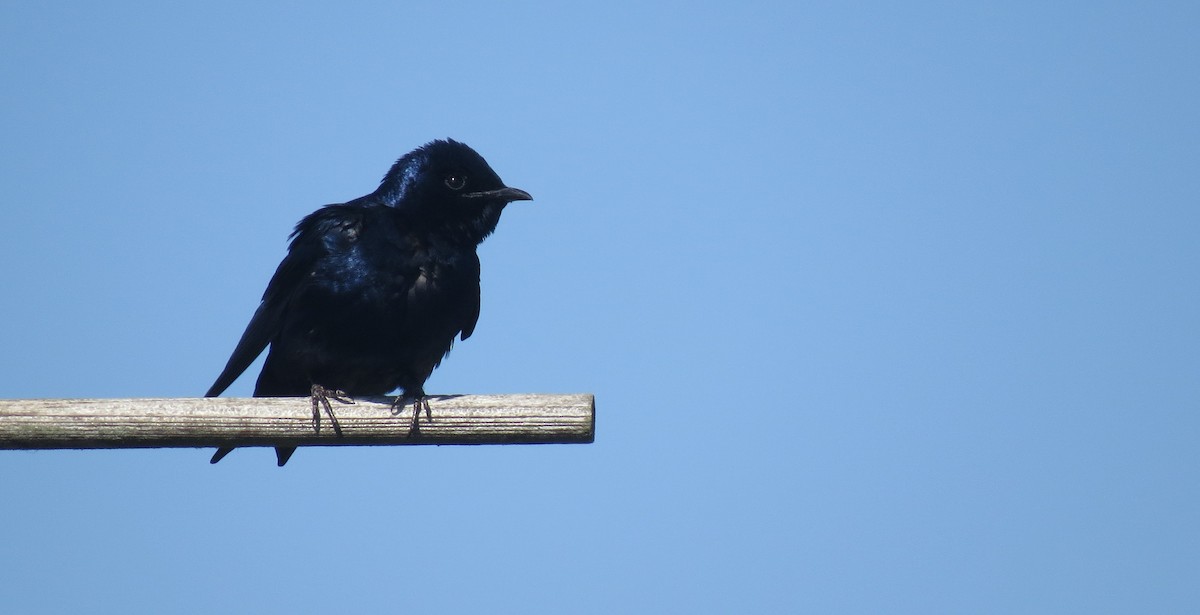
x,y
373,292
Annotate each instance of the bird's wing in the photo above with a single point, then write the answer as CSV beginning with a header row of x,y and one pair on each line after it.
x,y
317,235
471,311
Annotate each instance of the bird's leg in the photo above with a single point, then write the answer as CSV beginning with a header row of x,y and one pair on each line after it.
x,y
320,399
419,400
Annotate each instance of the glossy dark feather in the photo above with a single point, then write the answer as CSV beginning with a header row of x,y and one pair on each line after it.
x,y
373,292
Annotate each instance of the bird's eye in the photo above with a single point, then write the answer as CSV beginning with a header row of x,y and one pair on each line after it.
x,y
456,181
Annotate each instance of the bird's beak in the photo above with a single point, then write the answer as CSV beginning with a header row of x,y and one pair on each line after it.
x,y
505,194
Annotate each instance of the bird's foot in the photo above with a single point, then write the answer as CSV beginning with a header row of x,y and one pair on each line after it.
x,y
419,401
320,399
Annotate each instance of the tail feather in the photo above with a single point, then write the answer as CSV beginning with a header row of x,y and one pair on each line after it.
x,y
220,454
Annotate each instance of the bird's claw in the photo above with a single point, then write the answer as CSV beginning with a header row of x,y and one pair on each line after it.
x,y
419,402
320,399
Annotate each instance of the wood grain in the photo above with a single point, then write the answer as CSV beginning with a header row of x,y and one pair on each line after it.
x,y
269,421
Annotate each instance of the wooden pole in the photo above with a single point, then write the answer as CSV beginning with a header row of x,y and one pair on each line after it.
x,y
270,421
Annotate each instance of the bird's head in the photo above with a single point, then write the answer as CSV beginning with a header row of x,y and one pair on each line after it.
x,y
446,182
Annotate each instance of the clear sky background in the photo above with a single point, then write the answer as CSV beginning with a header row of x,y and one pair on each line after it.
x,y
887,307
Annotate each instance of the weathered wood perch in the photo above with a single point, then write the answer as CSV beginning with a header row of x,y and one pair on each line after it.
x,y
270,421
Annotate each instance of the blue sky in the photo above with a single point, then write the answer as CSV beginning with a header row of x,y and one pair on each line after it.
x,y
886,307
